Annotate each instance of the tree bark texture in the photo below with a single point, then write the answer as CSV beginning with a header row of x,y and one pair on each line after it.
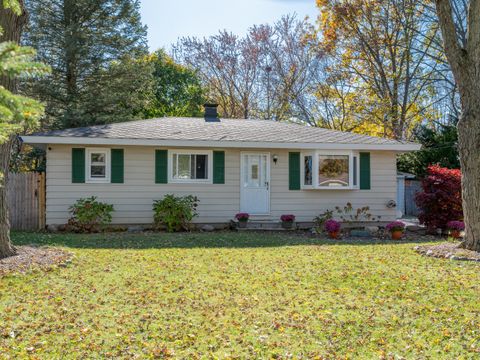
x,y
12,26
464,60
469,149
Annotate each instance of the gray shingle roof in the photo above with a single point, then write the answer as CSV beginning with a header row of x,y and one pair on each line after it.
x,y
235,130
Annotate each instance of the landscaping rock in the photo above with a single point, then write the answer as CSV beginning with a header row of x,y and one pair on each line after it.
x,y
208,228
52,228
448,251
135,229
359,233
372,229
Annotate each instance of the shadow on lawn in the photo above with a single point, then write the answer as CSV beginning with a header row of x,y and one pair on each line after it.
x,y
225,239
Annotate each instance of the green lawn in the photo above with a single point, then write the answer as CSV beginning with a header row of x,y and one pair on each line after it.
x,y
239,295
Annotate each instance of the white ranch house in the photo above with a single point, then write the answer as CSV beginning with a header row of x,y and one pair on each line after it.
x,y
265,168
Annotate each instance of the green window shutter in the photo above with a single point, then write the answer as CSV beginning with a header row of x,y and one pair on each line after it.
x,y
117,167
78,165
365,171
219,167
161,166
294,171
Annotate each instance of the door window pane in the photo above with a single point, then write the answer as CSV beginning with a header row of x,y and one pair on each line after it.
x,y
254,171
333,170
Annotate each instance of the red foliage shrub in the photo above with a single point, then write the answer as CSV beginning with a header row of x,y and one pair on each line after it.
x,y
441,198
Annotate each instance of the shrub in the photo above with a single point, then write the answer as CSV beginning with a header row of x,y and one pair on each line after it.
x,y
175,212
441,197
89,215
287,218
332,226
242,216
321,219
395,226
456,225
349,215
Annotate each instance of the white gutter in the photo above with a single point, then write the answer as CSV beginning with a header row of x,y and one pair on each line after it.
x,y
73,140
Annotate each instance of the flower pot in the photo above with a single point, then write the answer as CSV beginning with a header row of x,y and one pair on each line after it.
x,y
287,224
334,234
397,235
242,224
455,234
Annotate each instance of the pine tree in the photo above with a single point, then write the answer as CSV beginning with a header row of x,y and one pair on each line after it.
x,y
17,112
97,51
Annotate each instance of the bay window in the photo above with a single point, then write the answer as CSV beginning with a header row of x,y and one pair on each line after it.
x,y
329,170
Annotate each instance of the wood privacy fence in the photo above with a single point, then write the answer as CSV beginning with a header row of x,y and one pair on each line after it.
x,y
26,200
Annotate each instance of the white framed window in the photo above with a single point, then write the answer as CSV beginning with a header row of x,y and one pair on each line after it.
x,y
329,170
98,165
190,166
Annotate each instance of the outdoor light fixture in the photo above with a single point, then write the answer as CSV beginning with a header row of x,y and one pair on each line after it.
x,y
275,158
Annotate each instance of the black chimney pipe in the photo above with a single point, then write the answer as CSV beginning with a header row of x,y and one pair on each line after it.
x,y
211,113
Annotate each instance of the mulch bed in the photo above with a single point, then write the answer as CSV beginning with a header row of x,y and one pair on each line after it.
x,y
30,257
448,251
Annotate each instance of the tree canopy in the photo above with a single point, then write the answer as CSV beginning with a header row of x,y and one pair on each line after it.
x,y
178,90
97,51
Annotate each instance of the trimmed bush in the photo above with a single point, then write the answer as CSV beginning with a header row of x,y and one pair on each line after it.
x,y
175,212
89,215
441,198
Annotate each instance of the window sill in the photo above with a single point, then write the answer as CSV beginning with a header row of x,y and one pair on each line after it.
x,y
330,188
177,181
94,181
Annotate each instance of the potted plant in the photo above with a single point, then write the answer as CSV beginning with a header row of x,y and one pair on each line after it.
x,y
396,229
332,227
455,228
242,219
287,221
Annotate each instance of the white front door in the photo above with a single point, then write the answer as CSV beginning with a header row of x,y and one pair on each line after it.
x,y
255,183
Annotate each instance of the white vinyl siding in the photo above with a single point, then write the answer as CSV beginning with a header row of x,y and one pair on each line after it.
x,y
218,202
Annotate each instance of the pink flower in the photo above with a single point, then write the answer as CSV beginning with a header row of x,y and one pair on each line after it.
x,y
456,225
395,226
242,216
332,226
287,218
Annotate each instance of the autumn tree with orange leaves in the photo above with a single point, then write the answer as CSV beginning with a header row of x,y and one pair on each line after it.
x,y
381,48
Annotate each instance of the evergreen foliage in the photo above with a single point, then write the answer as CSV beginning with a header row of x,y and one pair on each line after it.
x,y
17,112
439,146
97,52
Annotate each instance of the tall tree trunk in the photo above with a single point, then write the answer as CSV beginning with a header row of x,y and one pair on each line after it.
x,y
12,26
6,247
464,59
469,149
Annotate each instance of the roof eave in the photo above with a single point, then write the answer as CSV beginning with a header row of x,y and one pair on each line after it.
x,y
37,140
